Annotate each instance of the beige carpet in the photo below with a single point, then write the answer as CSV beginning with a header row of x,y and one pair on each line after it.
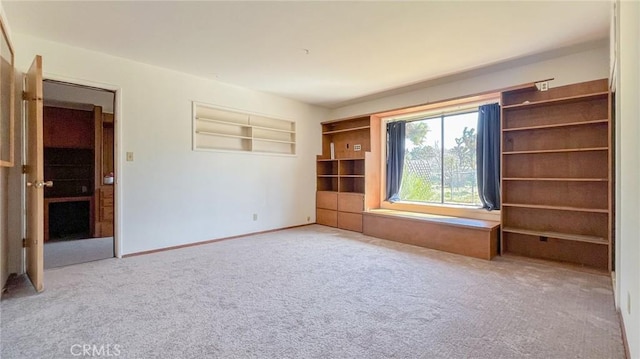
x,y
64,253
312,292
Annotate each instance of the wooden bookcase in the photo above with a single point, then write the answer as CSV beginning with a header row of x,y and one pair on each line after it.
x,y
557,174
341,178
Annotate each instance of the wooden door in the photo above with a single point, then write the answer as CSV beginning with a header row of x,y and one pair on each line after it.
x,y
35,176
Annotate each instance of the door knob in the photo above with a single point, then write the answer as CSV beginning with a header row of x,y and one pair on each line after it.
x,y
40,184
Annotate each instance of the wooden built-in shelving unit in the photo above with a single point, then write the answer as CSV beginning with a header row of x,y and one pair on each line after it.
x,y
557,174
341,179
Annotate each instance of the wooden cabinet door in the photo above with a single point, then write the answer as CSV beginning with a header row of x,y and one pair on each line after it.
x,y
327,200
327,217
350,202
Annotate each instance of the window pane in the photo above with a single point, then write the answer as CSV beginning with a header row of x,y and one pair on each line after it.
x,y
460,159
422,164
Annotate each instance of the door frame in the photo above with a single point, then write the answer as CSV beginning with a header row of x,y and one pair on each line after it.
x,y
117,149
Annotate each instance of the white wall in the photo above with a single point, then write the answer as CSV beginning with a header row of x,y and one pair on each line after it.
x,y
628,171
169,194
583,65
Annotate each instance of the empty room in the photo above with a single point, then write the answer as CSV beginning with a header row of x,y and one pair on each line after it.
x,y
320,179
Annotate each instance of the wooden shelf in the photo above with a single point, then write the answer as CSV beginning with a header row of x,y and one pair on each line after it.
x,y
560,100
557,150
70,180
556,170
328,176
352,176
559,208
565,236
346,130
556,125
555,179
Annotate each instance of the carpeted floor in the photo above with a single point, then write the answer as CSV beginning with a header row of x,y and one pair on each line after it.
x,y
312,292
64,253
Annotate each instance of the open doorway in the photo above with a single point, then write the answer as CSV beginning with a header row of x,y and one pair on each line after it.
x,y
78,141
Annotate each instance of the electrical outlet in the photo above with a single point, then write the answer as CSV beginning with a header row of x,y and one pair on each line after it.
x,y
544,86
308,218
628,303
130,156
255,216
357,147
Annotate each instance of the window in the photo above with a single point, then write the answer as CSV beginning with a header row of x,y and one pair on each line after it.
x,y
440,159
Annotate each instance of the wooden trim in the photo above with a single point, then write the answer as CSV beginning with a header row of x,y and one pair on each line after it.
x,y
97,167
479,96
558,100
12,100
210,241
511,257
373,170
466,100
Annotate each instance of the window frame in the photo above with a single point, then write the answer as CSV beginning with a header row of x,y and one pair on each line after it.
x,y
419,113
441,116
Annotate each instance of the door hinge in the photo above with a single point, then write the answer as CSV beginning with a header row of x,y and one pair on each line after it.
x,y
25,169
24,243
25,95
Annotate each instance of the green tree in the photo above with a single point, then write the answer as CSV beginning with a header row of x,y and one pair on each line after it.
x,y
416,132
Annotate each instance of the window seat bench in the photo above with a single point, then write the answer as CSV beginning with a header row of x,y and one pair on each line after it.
x,y
469,237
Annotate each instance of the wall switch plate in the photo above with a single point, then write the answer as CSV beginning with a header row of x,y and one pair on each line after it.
x,y
255,216
357,147
129,156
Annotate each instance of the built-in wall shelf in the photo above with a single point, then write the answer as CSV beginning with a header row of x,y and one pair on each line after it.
x,y
340,175
557,101
217,128
555,179
557,125
346,130
340,171
558,208
556,174
565,236
556,150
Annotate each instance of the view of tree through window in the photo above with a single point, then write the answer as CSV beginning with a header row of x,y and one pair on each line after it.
x,y
440,160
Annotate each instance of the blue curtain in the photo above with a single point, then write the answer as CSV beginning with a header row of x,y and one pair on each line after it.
x,y
395,158
488,156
